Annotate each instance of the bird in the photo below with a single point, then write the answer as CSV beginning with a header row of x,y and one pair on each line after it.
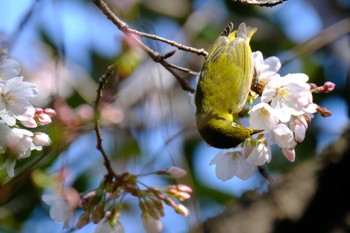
x,y
223,88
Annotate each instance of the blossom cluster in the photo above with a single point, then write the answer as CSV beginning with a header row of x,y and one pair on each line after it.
x,y
17,114
102,206
282,108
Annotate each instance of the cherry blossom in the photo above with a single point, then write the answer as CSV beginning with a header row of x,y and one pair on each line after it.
x,y
15,107
257,152
289,95
263,116
266,69
15,95
230,163
60,209
9,68
282,111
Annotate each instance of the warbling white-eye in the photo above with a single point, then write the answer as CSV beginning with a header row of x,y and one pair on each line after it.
x,y
223,88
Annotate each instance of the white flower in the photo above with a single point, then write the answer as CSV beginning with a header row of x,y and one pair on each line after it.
x,y
105,226
284,136
14,100
258,152
230,163
9,68
151,224
20,142
289,95
262,116
61,210
266,69
62,205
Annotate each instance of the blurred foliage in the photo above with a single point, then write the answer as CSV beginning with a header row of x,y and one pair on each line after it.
x,y
149,108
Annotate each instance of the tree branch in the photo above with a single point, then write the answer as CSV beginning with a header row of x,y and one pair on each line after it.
x,y
122,26
101,82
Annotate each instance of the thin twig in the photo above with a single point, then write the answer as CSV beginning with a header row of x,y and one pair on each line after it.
x,y
102,82
126,29
264,173
260,3
321,39
182,81
122,26
183,69
201,51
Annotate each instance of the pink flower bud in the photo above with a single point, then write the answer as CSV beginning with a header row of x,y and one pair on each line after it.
x,y
176,172
328,86
300,131
43,119
324,112
39,111
50,112
29,123
290,154
183,210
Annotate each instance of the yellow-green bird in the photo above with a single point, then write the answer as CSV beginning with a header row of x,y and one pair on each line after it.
x,y
223,88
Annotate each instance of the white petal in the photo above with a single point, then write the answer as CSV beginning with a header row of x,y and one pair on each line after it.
x,y
9,68
258,61
260,155
245,169
284,136
262,116
272,64
296,78
230,163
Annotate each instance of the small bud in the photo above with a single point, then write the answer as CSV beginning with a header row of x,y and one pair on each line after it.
x,y
324,111
39,111
29,123
289,154
84,219
43,119
183,210
41,139
176,172
300,131
313,86
328,87
50,112
180,191
98,213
